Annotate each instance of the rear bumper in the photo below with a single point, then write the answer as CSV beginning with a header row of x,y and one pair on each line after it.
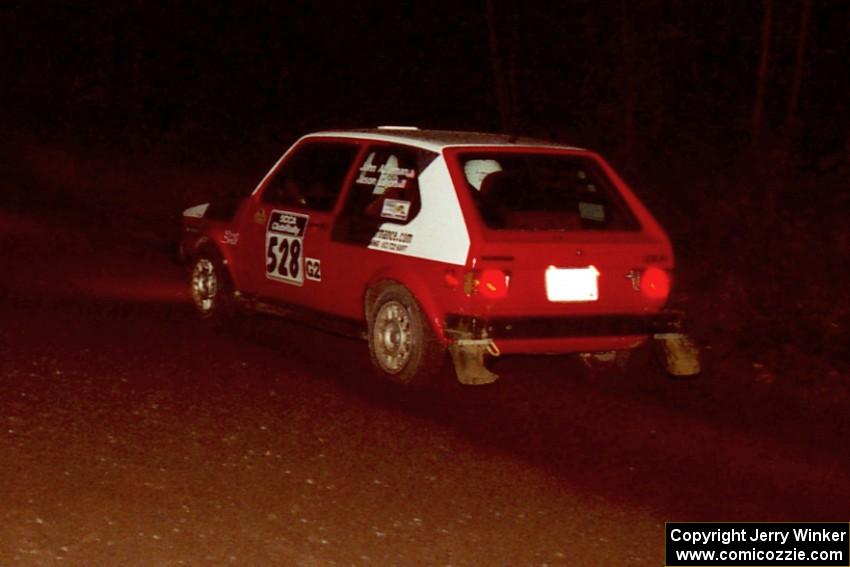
x,y
533,335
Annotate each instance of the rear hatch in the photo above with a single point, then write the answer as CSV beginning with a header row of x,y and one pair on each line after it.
x,y
573,274
563,230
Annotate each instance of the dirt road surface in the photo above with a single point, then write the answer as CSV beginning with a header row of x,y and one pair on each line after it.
x,y
131,436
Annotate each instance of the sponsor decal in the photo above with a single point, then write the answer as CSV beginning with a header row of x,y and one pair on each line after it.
x,y
288,223
385,176
437,232
260,216
230,237
391,240
395,209
313,269
285,246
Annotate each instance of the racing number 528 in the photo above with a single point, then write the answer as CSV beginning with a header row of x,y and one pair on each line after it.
x,y
284,257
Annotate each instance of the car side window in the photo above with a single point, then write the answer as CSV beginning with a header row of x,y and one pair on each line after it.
x,y
385,188
312,176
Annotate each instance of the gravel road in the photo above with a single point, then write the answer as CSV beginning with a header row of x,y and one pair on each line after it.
x,y
130,435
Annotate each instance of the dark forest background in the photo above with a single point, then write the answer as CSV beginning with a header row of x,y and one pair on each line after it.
x,y
730,117
629,77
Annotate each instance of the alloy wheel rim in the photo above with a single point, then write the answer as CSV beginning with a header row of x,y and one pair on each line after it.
x,y
392,337
204,285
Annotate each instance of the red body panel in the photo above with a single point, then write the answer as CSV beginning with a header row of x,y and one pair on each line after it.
x,y
348,270
562,345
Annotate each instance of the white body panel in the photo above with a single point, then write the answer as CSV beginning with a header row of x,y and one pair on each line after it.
x,y
439,231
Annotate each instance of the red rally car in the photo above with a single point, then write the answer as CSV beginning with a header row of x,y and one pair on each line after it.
x,y
434,241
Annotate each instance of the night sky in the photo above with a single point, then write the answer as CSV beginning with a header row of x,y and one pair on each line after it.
x,y
216,74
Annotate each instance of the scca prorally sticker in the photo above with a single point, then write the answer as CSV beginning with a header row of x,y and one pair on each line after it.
x,y
313,269
285,247
395,209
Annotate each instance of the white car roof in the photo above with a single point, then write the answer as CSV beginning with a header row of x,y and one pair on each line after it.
x,y
437,140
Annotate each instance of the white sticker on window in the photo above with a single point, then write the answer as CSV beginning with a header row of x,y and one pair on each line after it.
x,y
389,175
395,209
591,211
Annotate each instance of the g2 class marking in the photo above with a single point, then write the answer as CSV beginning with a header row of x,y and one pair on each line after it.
x,y
313,269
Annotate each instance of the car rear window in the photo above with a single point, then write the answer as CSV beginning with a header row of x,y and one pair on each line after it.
x,y
544,191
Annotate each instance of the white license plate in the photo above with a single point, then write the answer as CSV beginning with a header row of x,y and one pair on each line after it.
x,y
572,284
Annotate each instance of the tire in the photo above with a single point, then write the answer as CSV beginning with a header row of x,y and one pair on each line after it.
x,y
402,345
211,289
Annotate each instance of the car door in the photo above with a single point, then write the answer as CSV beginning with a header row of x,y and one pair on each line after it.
x,y
374,228
288,229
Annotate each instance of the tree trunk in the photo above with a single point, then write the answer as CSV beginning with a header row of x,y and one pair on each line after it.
x,y
796,83
513,94
758,109
502,95
628,87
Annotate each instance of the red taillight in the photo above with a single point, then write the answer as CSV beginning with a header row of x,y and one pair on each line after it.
x,y
655,283
493,284
490,283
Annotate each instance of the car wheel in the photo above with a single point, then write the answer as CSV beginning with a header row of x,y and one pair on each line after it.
x,y
210,289
402,346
